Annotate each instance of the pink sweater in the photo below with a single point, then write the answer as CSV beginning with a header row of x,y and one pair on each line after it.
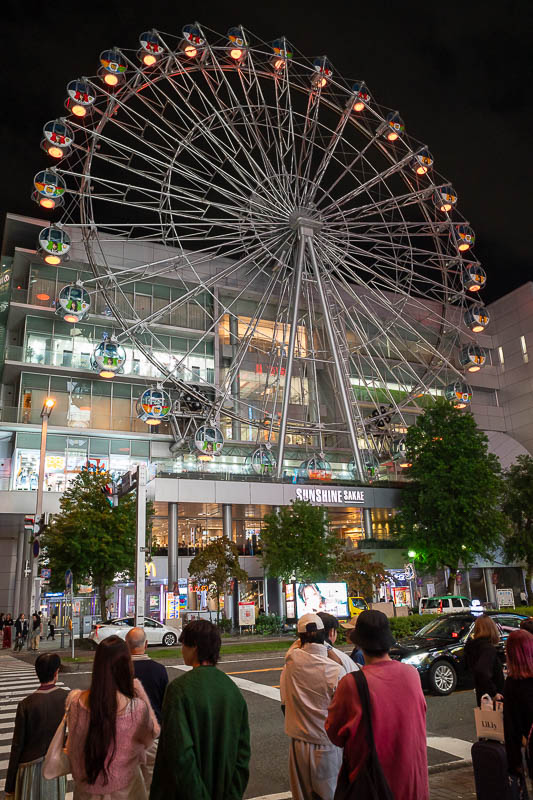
x,y
136,729
398,721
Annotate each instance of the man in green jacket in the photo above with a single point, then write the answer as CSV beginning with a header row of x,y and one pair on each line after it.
x,y
204,747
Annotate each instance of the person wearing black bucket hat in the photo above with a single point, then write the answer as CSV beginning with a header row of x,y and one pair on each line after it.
x,y
398,713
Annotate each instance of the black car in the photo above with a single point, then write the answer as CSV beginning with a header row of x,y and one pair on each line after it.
x,y
437,649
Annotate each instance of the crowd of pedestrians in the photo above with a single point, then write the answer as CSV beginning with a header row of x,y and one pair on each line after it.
x,y
133,735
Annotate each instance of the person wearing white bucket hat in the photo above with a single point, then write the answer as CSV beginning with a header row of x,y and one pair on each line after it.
x,y
308,682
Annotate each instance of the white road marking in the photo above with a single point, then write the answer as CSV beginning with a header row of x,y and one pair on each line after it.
x,y
247,686
455,747
282,796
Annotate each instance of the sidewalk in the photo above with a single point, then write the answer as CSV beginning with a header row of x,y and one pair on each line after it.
x,y
453,784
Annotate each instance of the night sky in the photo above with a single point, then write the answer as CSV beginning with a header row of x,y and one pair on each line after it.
x,y
460,73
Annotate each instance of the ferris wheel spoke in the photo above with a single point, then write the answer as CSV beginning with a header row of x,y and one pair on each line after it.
x,y
388,204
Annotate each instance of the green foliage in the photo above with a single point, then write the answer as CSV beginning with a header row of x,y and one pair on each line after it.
x,y
268,624
526,610
297,543
407,626
450,510
89,537
216,565
225,625
360,572
518,506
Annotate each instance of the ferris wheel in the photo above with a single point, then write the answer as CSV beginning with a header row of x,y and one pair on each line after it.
x,y
254,178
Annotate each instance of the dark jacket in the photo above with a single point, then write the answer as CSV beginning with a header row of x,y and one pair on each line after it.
x,y
154,679
21,627
482,660
38,716
517,720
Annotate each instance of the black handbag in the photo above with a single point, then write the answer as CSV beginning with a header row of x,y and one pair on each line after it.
x,y
370,782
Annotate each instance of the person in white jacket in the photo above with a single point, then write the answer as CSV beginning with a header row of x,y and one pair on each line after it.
x,y
308,682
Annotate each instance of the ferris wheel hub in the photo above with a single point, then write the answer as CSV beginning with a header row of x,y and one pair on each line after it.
x,y
305,221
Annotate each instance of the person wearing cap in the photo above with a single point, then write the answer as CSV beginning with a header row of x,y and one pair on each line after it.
x,y
308,682
331,627
398,713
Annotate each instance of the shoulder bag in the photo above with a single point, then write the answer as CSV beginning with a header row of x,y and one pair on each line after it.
x,y
56,761
370,782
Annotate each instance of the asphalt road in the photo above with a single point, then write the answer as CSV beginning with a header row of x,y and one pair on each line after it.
x,y
450,720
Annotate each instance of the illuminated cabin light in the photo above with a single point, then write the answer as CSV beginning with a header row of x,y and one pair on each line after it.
x,y
53,260
474,288
235,53
106,373
43,296
278,63
474,368
463,247
190,51
392,136
55,152
446,207
153,422
110,79
79,111
358,105
70,318
421,169
47,202
478,328
149,60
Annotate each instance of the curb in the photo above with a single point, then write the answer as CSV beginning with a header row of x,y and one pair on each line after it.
x,y
449,766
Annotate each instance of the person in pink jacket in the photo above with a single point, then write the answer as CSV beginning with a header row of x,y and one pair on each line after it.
x,y
110,727
398,713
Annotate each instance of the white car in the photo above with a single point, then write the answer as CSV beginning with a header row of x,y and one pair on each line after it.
x,y
156,632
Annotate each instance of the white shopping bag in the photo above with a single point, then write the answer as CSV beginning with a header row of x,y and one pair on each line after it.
x,y
489,723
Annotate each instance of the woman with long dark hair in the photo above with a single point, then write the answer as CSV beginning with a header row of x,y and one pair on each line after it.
x,y
482,659
6,639
110,728
518,705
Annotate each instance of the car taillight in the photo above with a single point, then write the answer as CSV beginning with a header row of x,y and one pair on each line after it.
x,y
97,629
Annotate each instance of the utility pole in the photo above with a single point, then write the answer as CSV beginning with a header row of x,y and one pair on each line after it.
x,y
140,547
47,409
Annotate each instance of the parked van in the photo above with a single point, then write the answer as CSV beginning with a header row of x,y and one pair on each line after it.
x,y
449,604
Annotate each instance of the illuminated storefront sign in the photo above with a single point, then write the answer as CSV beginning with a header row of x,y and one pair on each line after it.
x,y
330,496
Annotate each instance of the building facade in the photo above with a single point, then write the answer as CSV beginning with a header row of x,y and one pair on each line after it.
x,y
95,421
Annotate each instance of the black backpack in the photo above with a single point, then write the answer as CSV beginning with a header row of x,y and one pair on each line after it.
x,y
370,782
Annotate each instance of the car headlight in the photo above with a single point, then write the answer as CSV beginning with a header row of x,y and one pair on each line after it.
x,y
415,660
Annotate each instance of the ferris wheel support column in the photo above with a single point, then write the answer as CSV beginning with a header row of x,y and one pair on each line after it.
x,y
298,269
345,400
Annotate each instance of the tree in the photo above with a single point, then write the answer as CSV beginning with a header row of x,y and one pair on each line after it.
x,y
450,509
298,544
89,537
518,506
216,565
360,572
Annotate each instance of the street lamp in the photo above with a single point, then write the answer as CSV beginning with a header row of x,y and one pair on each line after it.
x,y
48,407
412,553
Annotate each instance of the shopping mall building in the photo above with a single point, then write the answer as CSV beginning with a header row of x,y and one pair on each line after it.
x,y
95,421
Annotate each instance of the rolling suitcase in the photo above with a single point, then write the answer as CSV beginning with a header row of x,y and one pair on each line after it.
x,y
489,762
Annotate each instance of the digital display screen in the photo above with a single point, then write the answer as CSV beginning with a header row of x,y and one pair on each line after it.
x,y
329,597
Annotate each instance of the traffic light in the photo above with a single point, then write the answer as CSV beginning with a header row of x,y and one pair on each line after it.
x,y
110,494
29,526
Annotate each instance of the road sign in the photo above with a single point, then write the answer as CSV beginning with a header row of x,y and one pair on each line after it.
x,y
36,548
46,573
68,579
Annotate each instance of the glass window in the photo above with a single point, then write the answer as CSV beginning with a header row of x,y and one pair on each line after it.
x,y
98,447
457,602
120,446
140,448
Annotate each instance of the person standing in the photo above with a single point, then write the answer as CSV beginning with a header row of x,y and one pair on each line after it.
x,y
21,631
35,631
331,628
154,679
8,626
308,682
37,719
110,727
52,628
398,713
518,705
483,661
204,749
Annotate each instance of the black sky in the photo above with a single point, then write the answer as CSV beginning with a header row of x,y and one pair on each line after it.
x,y
460,73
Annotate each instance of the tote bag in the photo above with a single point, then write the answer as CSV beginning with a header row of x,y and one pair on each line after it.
x,y
56,760
370,782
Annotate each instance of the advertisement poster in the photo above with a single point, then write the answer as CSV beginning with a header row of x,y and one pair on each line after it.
x,y
290,602
401,595
247,613
154,602
172,606
329,597
130,604
183,594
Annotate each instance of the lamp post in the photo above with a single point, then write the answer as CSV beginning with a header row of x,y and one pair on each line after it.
x,y
48,407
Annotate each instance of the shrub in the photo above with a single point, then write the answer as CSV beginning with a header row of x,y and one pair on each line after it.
x,y
225,625
268,624
407,626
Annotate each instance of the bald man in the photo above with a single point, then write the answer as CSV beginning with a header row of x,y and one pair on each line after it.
x,y
152,675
